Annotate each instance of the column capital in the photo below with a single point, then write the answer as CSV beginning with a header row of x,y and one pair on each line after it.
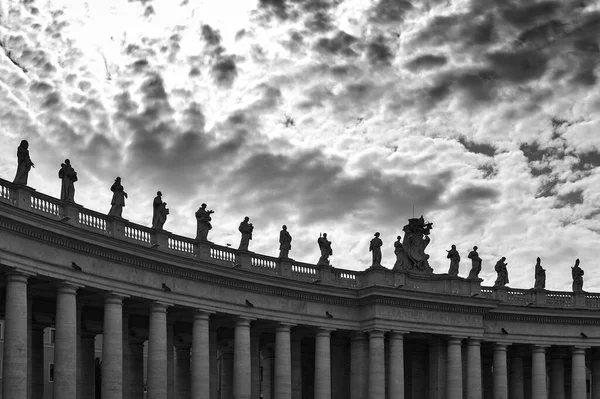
x,y
397,335
284,327
452,340
159,307
539,348
500,346
115,298
242,321
474,341
323,332
579,349
375,333
201,314
358,336
67,287
18,275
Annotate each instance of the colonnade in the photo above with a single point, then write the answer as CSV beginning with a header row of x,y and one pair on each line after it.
x,y
378,363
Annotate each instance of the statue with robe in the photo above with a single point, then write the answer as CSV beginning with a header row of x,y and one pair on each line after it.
x,y
159,212
325,248
68,176
454,257
24,163
375,249
118,199
502,273
400,254
416,240
540,275
475,264
203,225
285,242
246,229
577,274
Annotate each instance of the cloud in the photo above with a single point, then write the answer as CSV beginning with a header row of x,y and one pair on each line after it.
x,y
427,61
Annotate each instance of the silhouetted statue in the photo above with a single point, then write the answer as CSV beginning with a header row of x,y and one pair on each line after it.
x,y
401,257
475,263
454,257
500,268
159,212
246,230
285,242
540,275
577,274
24,163
203,225
68,176
118,199
416,239
326,252
375,249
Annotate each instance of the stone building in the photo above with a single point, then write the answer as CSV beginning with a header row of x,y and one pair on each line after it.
x,y
172,317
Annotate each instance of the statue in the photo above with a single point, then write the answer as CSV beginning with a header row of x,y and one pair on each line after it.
x,y
475,264
375,248
69,177
203,225
24,163
118,199
454,257
500,268
400,254
540,276
160,212
285,242
246,230
325,247
415,241
577,274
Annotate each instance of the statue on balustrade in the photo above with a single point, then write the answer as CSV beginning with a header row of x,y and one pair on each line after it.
x,y
577,274
24,163
500,268
159,212
203,220
401,257
475,264
118,199
416,239
68,176
540,275
454,257
246,230
326,251
285,242
375,249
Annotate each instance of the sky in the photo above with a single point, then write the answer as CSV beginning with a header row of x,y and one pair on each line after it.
x,y
336,116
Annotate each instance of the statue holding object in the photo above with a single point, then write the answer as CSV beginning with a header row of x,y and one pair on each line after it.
x,y
203,220
416,240
24,163
285,242
475,264
246,230
118,199
375,249
160,212
577,274
326,251
454,257
68,176
502,271
400,254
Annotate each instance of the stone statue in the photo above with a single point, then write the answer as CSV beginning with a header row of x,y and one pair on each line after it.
x,y
24,163
246,230
415,241
400,254
454,257
285,242
118,199
540,276
577,274
160,212
325,247
203,225
68,176
375,249
475,263
500,268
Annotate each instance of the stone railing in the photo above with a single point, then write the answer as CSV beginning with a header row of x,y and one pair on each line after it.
x,y
30,200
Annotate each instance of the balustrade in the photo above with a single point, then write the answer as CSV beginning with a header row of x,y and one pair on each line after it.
x,y
92,220
181,244
557,299
345,277
519,296
222,253
304,271
264,264
137,233
5,193
45,205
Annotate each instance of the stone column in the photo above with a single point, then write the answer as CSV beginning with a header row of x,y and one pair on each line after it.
x,y
517,389
201,356
112,348
182,371
214,376
376,365
88,365
242,383
474,387
136,352
538,373
65,342
157,352
267,364
454,386
438,359
170,360
283,362
127,377
14,370
557,378
255,362
596,374
323,364
227,377
396,371
296,367
500,372
359,366
37,361
578,388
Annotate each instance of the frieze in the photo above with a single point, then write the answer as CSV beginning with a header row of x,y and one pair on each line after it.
x,y
533,318
430,317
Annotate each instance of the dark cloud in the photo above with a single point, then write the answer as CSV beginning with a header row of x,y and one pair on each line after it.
x,y
390,10
319,22
378,52
225,71
529,13
211,36
475,87
462,29
574,197
477,148
427,61
339,44
587,160
517,66
277,8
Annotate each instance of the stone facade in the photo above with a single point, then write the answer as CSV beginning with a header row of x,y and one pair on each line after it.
x,y
223,324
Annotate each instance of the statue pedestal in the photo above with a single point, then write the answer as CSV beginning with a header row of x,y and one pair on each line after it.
x,y
579,299
285,267
539,296
374,275
243,259
202,249
70,212
21,196
160,238
324,273
500,293
116,226
475,285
